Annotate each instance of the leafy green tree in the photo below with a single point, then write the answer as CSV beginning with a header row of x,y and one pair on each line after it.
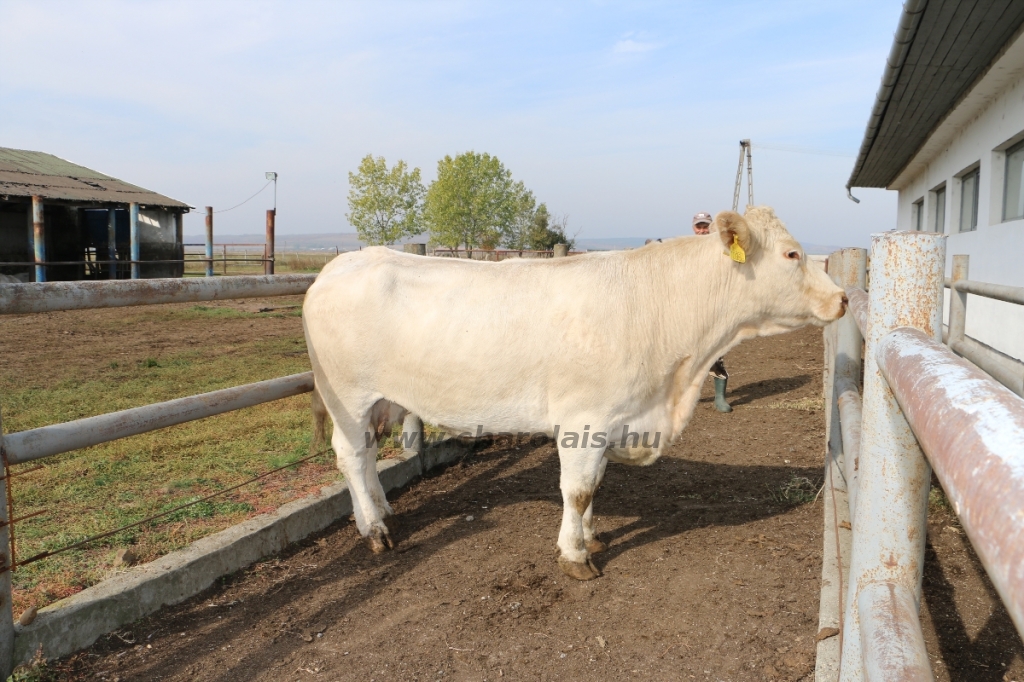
x,y
519,230
473,201
385,205
546,231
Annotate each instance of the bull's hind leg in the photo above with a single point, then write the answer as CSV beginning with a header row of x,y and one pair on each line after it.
x,y
580,474
590,540
356,448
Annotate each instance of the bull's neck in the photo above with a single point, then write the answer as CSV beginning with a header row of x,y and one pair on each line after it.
x,y
701,308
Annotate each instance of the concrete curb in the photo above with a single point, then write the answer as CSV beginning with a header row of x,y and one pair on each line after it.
x,y
76,622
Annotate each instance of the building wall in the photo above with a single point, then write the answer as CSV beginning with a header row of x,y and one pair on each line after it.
x,y
157,241
996,248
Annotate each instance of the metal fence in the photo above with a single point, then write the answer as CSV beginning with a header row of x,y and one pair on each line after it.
x,y
920,408
25,446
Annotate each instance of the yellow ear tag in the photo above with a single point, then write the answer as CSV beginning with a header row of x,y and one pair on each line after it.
x,y
736,251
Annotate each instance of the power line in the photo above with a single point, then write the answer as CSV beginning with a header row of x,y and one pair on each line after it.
x,y
248,200
805,150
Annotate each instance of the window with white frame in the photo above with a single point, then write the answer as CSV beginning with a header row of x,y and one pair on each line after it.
x,y
1013,190
917,214
969,201
940,209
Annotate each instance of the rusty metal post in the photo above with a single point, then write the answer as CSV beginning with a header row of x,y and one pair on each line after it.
x,y
38,238
112,243
560,251
133,227
418,249
268,264
209,241
6,602
880,639
224,259
958,301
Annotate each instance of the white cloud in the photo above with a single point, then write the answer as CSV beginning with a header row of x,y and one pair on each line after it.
x,y
630,46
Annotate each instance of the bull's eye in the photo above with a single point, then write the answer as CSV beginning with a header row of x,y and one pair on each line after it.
x,y
793,255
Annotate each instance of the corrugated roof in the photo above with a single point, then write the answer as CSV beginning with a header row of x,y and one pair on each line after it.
x,y
25,174
942,48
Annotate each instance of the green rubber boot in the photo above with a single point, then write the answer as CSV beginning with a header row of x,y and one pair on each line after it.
x,y
720,403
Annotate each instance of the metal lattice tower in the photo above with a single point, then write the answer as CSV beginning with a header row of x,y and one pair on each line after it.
x,y
744,148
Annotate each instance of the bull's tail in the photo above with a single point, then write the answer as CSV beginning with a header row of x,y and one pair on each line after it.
x,y
319,440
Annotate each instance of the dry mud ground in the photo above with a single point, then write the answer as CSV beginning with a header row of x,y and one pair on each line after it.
x,y
712,572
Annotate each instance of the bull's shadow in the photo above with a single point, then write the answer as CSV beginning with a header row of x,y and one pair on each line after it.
x,y
664,500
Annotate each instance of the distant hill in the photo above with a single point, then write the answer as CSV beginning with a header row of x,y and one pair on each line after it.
x,y
348,241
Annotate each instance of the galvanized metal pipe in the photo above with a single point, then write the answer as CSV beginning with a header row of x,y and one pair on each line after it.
x,y
209,241
999,292
958,299
852,275
893,476
133,227
38,238
6,601
858,305
25,446
891,627
1006,370
51,296
112,243
850,420
972,430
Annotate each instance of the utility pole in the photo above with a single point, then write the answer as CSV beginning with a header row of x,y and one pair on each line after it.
x,y
744,150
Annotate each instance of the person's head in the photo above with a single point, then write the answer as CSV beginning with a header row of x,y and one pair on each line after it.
x,y
702,223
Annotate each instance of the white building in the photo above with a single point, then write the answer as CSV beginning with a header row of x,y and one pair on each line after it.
x,y
947,133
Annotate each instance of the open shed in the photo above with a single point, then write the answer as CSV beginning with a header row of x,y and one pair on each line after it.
x,y
62,221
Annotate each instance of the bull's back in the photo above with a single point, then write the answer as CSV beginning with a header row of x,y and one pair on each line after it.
x,y
446,337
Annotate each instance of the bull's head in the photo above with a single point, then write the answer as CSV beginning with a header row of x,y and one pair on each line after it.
x,y
786,291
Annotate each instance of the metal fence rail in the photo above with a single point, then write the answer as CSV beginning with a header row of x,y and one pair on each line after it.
x,y
921,407
45,441
1008,371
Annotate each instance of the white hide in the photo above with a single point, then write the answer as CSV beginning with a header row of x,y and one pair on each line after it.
x,y
597,343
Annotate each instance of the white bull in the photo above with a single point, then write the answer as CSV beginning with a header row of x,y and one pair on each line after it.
x,y
608,350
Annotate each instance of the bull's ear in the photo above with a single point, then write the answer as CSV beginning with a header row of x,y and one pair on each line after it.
x,y
735,234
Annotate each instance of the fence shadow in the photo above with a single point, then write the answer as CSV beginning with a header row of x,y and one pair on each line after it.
x,y
666,508
985,657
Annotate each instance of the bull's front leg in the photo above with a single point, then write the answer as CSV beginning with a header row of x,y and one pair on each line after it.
x,y
590,540
581,470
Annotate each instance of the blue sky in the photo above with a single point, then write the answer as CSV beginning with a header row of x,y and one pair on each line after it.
x,y
624,116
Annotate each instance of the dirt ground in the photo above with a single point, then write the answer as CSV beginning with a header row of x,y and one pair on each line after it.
x,y
712,572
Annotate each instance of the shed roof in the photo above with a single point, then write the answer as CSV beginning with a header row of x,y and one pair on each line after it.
x,y
26,174
941,49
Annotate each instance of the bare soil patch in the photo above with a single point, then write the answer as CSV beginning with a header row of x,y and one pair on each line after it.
x,y
712,572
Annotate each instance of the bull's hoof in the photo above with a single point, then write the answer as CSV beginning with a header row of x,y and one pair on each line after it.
x,y
379,541
595,546
580,570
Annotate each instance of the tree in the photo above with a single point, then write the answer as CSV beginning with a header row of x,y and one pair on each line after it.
x,y
473,201
546,231
517,233
385,205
